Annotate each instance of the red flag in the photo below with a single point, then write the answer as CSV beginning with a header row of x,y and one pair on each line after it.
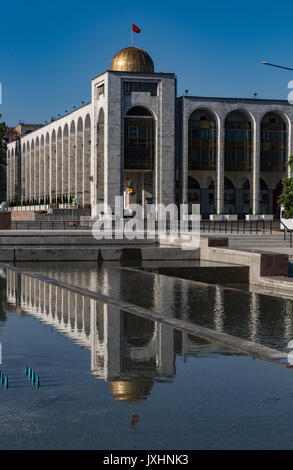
x,y
136,29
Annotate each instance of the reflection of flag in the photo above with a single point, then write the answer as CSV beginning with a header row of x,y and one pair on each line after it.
x,y
136,29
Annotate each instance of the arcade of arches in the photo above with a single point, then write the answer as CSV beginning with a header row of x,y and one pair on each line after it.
x,y
237,161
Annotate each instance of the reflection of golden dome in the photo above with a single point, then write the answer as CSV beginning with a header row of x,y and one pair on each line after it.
x,y
132,59
131,391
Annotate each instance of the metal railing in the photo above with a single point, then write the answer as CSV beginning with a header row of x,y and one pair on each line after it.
x,y
237,226
50,225
287,230
206,226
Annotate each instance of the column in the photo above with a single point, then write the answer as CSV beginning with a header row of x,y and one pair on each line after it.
x,y
255,167
220,168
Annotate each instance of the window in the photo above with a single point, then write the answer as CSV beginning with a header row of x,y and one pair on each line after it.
x,y
100,90
141,87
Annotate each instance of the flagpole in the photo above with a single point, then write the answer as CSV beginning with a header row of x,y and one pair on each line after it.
x,y
131,37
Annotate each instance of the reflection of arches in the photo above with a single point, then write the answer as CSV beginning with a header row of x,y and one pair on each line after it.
x,y
202,140
136,330
273,147
100,156
262,184
238,141
193,190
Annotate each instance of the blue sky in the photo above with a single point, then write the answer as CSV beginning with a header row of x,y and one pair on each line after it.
x,y
51,50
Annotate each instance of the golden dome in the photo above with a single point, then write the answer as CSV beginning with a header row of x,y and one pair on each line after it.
x,y
132,59
131,391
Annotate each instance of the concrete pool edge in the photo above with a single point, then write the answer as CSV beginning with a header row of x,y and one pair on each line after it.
x,y
247,347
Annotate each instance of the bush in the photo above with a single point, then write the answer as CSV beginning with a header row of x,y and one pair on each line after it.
x,y
286,198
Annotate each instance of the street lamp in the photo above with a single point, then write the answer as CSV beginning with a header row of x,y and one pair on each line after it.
x,y
278,66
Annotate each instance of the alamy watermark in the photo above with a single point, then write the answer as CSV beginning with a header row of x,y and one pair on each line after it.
x,y
166,223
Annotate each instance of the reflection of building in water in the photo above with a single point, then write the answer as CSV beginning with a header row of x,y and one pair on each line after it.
x,y
126,350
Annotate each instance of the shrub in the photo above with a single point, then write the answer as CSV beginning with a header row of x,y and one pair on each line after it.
x,y
286,198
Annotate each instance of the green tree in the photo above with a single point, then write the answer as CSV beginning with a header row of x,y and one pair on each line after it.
x,y
286,198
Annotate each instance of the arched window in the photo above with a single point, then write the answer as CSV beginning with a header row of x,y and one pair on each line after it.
x,y
229,192
193,190
139,142
202,140
263,185
238,142
138,111
279,186
273,146
246,185
228,184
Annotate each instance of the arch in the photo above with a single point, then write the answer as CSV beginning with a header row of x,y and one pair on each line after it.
x,y
229,195
42,170
8,175
47,169
53,168
262,184
279,186
79,161
72,160
139,155
228,184
65,164
37,170
139,111
59,160
202,140
273,141
27,173
100,156
193,190
87,160
193,183
32,171
139,140
238,140
246,184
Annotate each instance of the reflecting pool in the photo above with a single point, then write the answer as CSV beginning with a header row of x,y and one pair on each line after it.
x,y
112,380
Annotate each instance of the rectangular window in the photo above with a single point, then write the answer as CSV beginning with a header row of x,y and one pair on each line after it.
x,y
141,87
100,90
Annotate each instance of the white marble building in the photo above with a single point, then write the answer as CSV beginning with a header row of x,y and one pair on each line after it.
x,y
227,154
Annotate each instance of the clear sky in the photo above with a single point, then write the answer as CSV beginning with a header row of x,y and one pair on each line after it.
x,y
51,50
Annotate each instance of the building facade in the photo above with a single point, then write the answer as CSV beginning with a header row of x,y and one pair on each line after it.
x,y
137,136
